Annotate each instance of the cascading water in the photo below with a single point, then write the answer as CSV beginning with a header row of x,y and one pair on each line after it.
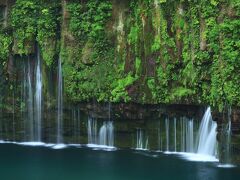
x,y
207,135
13,115
76,123
38,101
228,141
106,134
60,104
175,134
142,140
167,133
185,136
92,131
30,104
189,137
225,144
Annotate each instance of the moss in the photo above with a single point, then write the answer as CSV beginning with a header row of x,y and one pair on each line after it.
x,y
119,92
5,43
35,21
161,51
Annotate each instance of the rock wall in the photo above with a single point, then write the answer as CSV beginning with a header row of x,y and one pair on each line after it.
x,y
148,52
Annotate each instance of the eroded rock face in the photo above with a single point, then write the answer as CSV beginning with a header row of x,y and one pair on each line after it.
x,y
228,134
3,13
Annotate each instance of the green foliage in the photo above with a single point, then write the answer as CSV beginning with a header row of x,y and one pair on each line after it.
x,y
88,21
182,51
180,93
23,21
152,86
5,42
138,66
133,35
47,26
36,20
119,92
90,76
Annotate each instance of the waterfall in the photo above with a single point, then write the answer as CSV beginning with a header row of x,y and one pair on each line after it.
x,y
167,133
60,104
92,131
183,134
30,103
178,135
175,134
106,134
189,137
142,140
207,135
226,139
13,114
228,142
38,100
76,123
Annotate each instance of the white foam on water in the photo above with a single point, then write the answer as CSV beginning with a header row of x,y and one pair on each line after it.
x,y
198,157
5,142
101,147
226,166
31,143
59,146
194,156
141,149
40,144
28,143
168,152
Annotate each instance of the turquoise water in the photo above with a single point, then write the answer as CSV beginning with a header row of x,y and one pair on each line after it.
x,y
41,163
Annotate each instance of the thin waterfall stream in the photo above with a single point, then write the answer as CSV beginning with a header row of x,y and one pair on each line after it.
x,y
60,104
30,122
38,100
142,140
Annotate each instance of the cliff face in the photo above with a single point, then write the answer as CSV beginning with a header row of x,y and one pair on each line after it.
x,y
145,51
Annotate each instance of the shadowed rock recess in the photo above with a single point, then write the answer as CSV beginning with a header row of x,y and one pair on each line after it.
x,y
131,61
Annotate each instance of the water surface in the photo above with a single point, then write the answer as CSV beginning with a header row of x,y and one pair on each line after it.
x,y
42,163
